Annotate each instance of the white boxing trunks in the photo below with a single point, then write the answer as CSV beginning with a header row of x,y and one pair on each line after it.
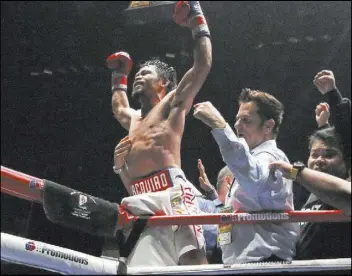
x,y
164,192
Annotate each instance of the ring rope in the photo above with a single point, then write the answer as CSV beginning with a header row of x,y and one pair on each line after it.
x,y
48,257
54,258
31,187
65,261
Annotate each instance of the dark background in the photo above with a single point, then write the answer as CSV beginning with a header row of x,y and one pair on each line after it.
x,y
56,118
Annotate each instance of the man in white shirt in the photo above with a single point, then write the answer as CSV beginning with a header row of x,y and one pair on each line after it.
x,y
248,155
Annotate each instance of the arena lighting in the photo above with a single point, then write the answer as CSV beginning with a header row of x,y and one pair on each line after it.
x,y
92,69
74,69
62,70
170,55
35,74
295,40
47,71
326,37
89,68
277,43
310,38
184,54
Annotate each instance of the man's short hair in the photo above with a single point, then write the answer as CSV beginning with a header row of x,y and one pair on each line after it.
x,y
225,171
332,140
328,136
166,72
268,107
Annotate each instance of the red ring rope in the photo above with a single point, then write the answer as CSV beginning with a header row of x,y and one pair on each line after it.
x,y
18,184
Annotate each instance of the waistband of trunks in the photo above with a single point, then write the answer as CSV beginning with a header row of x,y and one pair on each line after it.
x,y
157,181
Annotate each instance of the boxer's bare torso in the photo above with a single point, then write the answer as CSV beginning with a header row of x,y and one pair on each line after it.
x,y
156,139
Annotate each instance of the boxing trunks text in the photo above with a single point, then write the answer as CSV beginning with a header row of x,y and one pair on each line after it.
x,y
155,182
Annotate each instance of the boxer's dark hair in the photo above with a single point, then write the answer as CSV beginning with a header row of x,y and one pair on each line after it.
x,y
168,73
268,107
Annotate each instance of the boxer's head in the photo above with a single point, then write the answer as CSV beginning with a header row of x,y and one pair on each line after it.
x,y
154,78
259,117
326,153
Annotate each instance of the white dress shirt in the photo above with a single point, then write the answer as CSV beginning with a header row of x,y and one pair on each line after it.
x,y
255,190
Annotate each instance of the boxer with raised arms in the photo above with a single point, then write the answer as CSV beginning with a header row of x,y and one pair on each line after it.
x,y
149,159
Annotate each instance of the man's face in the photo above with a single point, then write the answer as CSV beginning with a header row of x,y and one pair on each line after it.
x,y
326,159
249,125
146,83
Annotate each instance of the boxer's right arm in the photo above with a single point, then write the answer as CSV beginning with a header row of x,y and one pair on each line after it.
x,y
190,14
120,165
121,64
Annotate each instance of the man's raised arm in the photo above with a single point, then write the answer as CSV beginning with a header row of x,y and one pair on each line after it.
x,y
190,14
121,65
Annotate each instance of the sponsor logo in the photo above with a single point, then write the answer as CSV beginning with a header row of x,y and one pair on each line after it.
x,y
262,216
31,246
247,217
82,200
34,184
313,207
84,205
176,199
187,196
155,183
226,218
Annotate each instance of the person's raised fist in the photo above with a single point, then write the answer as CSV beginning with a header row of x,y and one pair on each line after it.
x,y
190,14
120,62
325,81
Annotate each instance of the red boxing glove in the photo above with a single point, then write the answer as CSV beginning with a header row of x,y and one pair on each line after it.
x,y
121,64
190,14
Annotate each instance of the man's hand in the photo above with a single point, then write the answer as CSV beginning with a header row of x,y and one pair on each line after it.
x,y
203,178
121,151
209,115
283,167
322,114
325,81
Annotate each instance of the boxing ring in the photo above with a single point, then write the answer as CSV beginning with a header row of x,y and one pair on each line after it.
x,y
46,257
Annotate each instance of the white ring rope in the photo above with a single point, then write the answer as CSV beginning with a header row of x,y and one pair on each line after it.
x,y
65,261
53,258
248,268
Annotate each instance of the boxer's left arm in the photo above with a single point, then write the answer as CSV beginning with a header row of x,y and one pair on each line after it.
x,y
193,80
